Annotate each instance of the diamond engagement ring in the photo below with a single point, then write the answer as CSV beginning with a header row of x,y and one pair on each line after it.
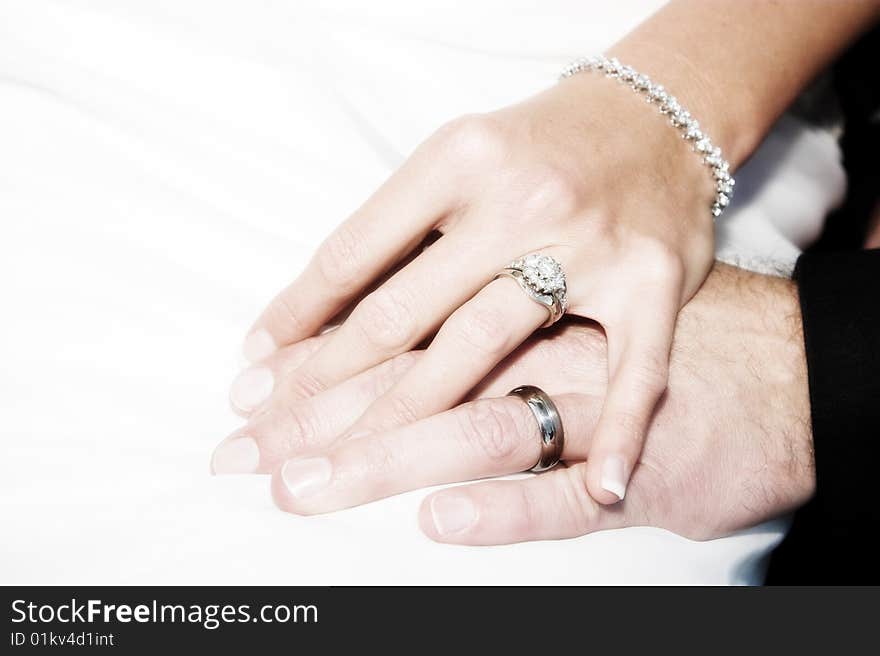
x,y
543,280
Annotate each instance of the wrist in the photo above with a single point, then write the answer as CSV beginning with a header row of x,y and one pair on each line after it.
x,y
728,118
757,320
665,135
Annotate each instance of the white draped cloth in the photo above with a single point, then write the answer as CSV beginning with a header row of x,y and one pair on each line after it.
x,y
165,166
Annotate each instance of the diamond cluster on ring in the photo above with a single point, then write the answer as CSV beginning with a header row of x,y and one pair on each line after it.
x,y
544,275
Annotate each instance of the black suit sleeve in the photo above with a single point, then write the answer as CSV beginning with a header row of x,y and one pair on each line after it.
x,y
831,540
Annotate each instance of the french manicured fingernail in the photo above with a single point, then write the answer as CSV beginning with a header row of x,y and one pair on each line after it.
x,y
304,477
614,476
251,387
452,513
236,456
258,346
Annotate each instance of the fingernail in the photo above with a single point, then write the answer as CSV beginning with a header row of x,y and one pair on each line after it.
x,y
236,456
452,513
304,477
614,476
258,346
251,387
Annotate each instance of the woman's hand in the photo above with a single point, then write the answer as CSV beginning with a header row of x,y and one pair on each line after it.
x,y
738,356
585,172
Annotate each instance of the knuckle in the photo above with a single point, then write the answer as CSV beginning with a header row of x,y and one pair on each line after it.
x,y
602,228
651,374
549,192
387,319
304,385
377,461
283,312
339,260
404,409
489,429
661,263
484,328
402,363
473,138
300,429
391,371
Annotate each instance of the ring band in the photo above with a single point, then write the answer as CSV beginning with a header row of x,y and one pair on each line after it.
x,y
549,423
542,279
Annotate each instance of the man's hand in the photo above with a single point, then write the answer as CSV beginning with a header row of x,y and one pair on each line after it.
x,y
728,447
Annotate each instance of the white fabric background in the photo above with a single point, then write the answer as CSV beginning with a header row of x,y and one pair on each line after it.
x,y
164,168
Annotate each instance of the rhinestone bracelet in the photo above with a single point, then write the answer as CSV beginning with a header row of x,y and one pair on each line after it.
x,y
678,116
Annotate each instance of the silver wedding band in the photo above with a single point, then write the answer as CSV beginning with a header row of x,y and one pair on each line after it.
x,y
549,425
